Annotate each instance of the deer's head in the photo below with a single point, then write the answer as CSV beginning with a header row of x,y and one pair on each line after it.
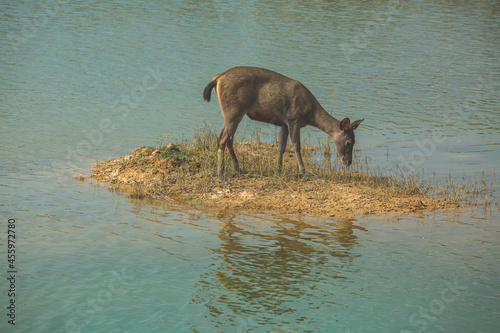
x,y
344,140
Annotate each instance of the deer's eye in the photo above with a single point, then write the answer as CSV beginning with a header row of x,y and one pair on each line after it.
x,y
348,143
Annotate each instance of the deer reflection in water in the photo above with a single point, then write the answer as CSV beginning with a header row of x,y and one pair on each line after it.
x,y
265,265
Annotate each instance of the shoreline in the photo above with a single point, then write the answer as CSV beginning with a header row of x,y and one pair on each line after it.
x,y
186,173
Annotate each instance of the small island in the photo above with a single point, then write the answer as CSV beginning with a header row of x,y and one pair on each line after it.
x,y
185,173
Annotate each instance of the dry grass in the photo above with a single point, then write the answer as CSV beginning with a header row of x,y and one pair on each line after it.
x,y
185,170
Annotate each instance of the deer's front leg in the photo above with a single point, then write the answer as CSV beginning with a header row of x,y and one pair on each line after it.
x,y
282,141
295,136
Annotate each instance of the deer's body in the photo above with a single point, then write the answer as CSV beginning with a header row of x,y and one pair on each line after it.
x,y
267,96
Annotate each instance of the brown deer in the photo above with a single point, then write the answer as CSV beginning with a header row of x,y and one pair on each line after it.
x,y
273,98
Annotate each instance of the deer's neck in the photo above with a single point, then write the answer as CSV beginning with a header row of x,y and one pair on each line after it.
x,y
325,122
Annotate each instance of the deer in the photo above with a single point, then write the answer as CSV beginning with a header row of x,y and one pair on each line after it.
x,y
267,96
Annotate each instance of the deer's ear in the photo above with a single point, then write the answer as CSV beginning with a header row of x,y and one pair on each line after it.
x,y
344,124
355,124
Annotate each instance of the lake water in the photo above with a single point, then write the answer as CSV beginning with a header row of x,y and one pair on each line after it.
x,y
86,80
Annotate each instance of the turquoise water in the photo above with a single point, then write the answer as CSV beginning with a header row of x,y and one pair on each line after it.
x,y
88,81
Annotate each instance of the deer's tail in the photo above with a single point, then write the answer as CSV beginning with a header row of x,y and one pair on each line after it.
x,y
208,89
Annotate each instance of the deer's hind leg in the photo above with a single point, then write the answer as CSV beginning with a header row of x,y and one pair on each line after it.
x,y
233,155
226,137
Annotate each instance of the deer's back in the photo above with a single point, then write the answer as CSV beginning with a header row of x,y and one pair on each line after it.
x,y
264,95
